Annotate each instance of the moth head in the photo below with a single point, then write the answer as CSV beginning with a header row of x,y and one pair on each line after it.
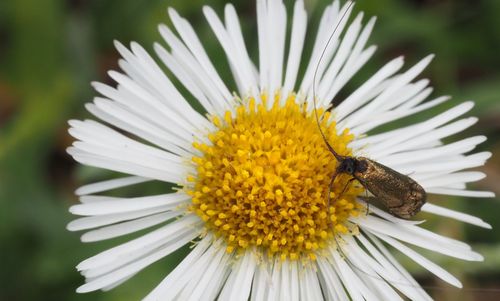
x,y
347,165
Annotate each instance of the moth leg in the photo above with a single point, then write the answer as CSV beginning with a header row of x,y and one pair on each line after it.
x,y
368,199
345,187
341,193
367,203
374,200
339,248
330,187
371,200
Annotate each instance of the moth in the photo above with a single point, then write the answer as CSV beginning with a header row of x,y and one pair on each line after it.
x,y
401,195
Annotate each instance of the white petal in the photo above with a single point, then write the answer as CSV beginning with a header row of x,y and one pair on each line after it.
x,y
122,117
200,278
365,267
136,127
373,274
128,258
275,277
445,164
189,37
90,222
264,51
109,185
424,233
218,279
134,245
169,165
95,133
184,76
391,270
449,179
128,227
117,283
310,288
403,280
443,245
177,125
261,282
358,97
234,30
241,68
348,71
185,282
356,288
331,21
456,148
124,166
121,205
240,278
407,94
389,116
285,281
466,218
131,269
458,192
294,279
163,288
148,74
424,262
296,47
405,78
276,28
356,60
386,141
340,57
193,69
332,281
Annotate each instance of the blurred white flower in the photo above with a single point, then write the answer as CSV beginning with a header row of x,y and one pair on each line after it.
x,y
253,172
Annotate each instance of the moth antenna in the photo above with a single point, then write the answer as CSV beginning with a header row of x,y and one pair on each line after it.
x,y
375,277
330,148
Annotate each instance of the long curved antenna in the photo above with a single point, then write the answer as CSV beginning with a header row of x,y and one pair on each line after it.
x,y
330,187
330,148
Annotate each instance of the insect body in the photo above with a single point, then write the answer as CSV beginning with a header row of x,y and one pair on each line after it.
x,y
401,195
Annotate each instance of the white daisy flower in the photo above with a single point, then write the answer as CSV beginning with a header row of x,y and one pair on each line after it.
x,y
253,172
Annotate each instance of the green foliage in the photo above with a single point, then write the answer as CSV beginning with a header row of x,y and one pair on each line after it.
x,y
50,50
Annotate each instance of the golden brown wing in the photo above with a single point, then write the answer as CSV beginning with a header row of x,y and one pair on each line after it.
x,y
402,196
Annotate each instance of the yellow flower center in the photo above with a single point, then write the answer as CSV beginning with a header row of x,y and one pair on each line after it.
x,y
264,178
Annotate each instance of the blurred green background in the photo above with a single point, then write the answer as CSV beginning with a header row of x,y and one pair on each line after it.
x,y
51,49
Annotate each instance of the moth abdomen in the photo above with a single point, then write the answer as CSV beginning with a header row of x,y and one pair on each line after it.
x,y
416,198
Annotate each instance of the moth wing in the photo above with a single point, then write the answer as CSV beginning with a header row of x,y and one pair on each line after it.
x,y
400,194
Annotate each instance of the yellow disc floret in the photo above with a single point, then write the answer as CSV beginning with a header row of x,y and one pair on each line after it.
x,y
264,178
